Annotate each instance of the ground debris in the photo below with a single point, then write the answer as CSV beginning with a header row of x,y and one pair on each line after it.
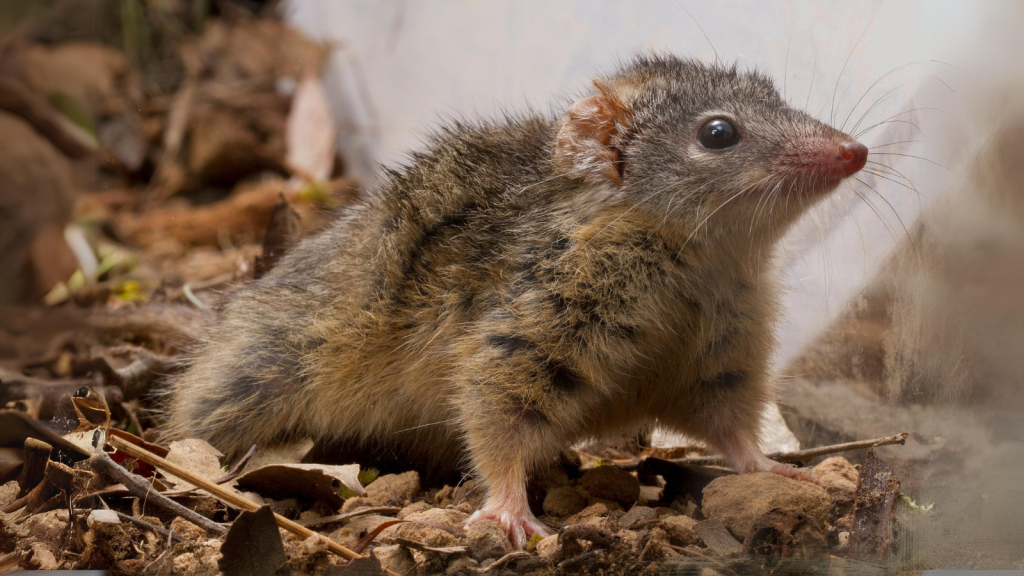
x,y
874,517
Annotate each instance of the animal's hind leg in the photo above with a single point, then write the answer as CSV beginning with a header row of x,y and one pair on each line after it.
x,y
516,405
503,454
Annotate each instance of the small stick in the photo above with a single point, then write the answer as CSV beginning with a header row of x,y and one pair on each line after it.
x,y
226,496
801,455
154,528
140,488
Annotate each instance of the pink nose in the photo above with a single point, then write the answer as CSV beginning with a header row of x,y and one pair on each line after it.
x,y
852,157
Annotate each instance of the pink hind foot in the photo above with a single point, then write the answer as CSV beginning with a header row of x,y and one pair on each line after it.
x,y
520,523
762,464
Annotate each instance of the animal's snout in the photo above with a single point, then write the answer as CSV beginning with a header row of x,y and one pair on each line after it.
x,y
852,157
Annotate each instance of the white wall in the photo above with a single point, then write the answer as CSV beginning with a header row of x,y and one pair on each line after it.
x,y
402,65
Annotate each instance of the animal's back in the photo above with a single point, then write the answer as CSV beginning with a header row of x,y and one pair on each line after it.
x,y
349,337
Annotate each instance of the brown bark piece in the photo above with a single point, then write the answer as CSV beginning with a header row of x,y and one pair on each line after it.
x,y
874,511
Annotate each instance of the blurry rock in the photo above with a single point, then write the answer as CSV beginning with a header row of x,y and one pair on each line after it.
x,y
836,475
396,558
8,493
548,547
716,536
564,501
48,527
654,546
784,533
202,562
94,75
839,478
740,500
413,508
124,139
470,492
188,530
227,145
429,535
356,503
462,566
681,530
590,512
350,534
637,515
394,489
251,50
611,483
487,539
36,200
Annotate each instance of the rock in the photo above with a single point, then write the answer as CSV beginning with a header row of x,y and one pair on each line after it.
x,y
717,537
8,493
42,557
396,558
649,494
548,547
462,566
839,478
471,492
487,539
784,533
36,202
611,483
350,534
594,511
289,507
429,535
413,509
681,530
356,503
655,548
739,500
188,530
202,562
394,489
228,145
837,475
564,501
637,515
48,527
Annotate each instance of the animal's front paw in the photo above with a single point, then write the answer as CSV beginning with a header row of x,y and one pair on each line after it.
x,y
519,524
790,471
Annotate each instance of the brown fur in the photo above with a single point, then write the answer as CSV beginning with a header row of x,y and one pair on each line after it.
x,y
506,294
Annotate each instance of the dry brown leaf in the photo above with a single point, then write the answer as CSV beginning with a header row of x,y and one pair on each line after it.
x,y
311,137
318,482
198,456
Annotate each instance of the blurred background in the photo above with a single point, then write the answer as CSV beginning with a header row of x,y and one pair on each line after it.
x,y
158,153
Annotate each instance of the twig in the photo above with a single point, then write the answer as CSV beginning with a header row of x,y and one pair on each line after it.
x,y
140,488
153,527
802,455
227,496
316,522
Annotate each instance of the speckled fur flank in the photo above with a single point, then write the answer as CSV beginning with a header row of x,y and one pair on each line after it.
x,y
498,298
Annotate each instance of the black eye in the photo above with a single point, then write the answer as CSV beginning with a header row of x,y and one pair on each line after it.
x,y
718,134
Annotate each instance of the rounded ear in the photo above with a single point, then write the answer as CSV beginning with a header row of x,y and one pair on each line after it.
x,y
585,141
